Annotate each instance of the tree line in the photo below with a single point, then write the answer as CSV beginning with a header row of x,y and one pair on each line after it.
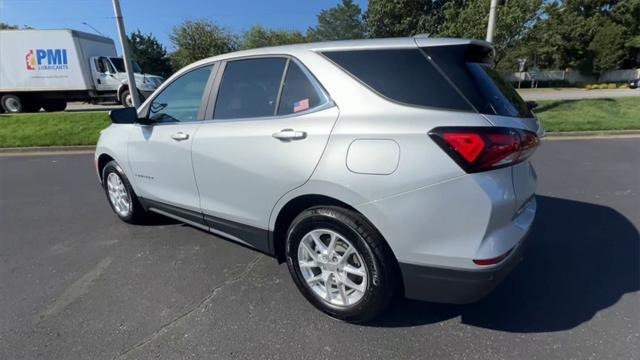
x,y
591,36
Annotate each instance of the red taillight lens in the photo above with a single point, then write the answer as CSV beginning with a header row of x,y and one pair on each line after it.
x,y
469,146
485,148
492,261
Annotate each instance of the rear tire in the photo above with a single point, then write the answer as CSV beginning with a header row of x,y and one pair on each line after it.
x,y
11,104
356,279
120,194
54,105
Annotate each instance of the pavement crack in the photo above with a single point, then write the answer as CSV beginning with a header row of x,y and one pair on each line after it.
x,y
77,289
201,305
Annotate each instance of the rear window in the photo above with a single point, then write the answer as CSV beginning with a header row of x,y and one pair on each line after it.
x,y
403,75
467,67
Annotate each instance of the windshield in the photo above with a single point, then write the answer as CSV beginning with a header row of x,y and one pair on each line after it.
x,y
118,63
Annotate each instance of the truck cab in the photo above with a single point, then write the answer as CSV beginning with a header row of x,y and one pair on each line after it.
x,y
109,76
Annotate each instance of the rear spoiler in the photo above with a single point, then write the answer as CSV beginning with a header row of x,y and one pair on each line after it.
x,y
474,50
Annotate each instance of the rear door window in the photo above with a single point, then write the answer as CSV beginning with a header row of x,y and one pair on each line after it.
x,y
299,92
249,88
402,75
469,69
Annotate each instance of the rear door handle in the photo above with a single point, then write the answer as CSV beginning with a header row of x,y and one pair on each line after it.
x,y
179,136
289,134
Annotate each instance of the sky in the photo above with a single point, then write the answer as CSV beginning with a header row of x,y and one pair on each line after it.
x,y
160,16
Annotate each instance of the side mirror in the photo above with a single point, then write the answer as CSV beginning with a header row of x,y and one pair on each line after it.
x,y
124,116
532,105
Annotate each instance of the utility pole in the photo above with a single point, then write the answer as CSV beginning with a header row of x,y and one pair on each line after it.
x,y
491,27
125,55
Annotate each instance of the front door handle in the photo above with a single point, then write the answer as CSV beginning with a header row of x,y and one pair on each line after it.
x,y
179,136
289,134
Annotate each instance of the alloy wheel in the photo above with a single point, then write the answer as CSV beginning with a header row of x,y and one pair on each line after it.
x,y
118,195
332,267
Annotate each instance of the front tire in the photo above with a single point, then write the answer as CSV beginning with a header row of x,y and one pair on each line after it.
x,y
340,263
126,99
120,194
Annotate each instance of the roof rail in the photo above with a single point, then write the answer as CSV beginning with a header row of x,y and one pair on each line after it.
x,y
424,35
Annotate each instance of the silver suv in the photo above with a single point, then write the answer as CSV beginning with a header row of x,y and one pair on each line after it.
x,y
373,168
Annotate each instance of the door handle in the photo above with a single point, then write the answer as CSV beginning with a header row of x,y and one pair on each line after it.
x,y
179,136
289,134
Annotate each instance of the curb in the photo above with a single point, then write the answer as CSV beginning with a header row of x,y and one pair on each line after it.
x,y
598,134
47,150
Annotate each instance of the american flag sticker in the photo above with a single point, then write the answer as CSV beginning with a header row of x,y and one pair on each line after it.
x,y
301,105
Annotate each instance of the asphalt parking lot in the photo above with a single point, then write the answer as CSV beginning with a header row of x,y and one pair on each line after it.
x,y
76,283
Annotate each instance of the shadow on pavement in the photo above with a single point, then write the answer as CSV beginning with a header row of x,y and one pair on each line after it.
x,y
582,258
555,104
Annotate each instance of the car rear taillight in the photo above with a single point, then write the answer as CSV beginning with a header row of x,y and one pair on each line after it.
x,y
485,148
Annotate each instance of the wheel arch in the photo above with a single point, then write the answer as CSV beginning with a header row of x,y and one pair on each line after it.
x,y
102,161
298,204
293,207
290,210
121,89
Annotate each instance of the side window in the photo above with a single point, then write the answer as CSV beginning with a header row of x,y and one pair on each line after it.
x,y
181,100
403,75
299,93
249,88
100,66
106,65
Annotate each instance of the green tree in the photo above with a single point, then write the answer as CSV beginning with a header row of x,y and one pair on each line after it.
x,y
344,21
199,39
259,36
609,47
626,13
468,19
149,54
5,26
562,38
396,18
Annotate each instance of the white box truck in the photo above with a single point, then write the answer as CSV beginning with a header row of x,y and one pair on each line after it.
x,y
47,68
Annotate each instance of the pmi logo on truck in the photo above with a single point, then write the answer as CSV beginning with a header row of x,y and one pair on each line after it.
x,y
47,59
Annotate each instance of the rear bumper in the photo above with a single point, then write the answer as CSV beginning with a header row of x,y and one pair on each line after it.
x,y
456,286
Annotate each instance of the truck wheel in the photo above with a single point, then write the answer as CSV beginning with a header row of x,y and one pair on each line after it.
x,y
126,99
11,104
54,105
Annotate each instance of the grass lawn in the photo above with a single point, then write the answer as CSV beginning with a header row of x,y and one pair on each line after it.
x,y
52,129
590,114
83,128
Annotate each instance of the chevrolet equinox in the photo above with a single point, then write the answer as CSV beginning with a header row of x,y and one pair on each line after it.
x,y
373,168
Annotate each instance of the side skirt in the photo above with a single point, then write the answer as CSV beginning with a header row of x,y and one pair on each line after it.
x,y
249,236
